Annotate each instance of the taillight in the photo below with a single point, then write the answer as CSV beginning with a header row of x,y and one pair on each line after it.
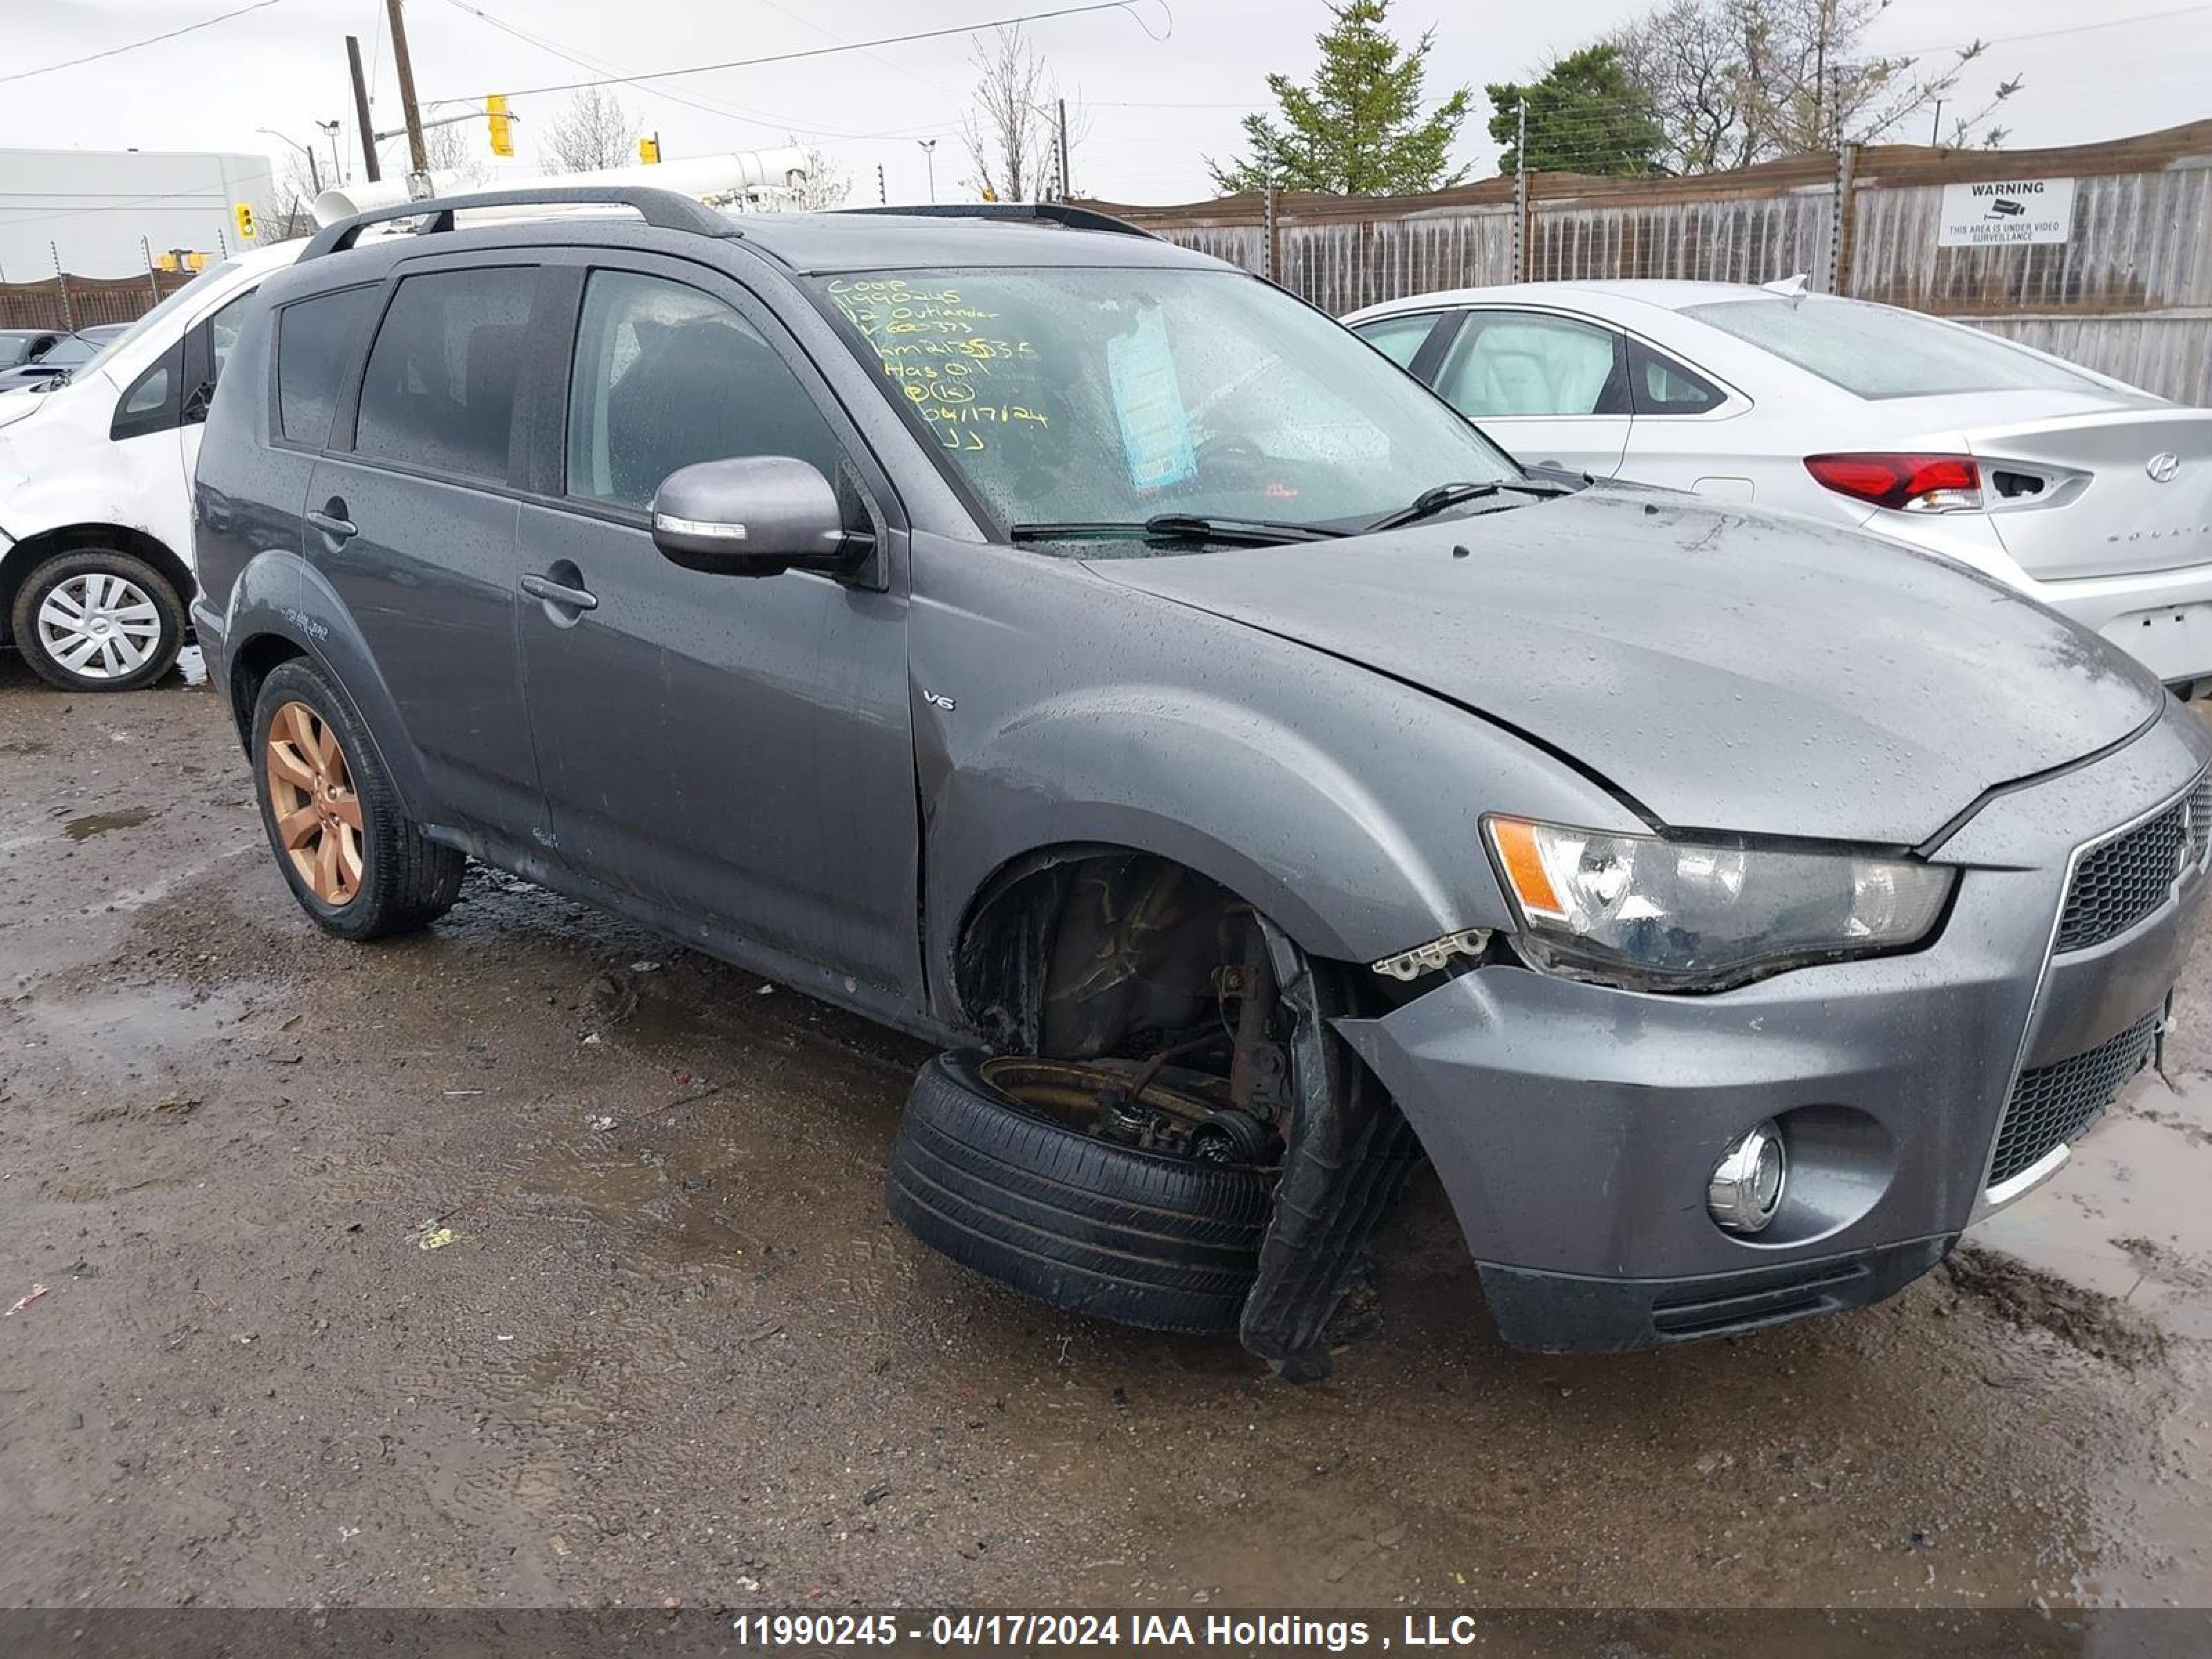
x,y
1912,484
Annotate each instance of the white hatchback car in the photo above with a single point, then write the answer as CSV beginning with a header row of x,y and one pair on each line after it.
x,y
2089,493
95,488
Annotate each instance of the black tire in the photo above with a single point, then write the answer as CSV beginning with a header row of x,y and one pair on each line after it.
x,y
1141,1239
94,562
406,880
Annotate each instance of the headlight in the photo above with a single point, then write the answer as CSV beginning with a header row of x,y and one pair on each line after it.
x,y
1653,914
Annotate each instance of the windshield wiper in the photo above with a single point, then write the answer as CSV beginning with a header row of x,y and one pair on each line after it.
x,y
1180,527
1429,502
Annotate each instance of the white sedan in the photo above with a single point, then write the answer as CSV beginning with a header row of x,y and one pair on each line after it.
x,y
2091,494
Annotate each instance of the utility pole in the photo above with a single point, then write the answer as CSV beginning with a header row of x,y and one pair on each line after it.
x,y
1521,193
1935,133
153,282
361,123
1267,208
1066,190
61,280
418,180
929,156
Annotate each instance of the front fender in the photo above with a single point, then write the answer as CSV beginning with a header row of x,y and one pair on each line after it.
x,y
1343,804
280,595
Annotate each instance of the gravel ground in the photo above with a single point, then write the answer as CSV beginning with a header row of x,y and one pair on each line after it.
x,y
668,1347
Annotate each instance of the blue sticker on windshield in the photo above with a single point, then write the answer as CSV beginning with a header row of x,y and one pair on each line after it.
x,y
1155,427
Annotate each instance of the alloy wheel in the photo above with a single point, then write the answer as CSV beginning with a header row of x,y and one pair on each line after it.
x,y
312,799
98,626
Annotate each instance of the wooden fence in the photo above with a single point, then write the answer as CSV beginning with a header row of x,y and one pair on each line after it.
x,y
83,301
2129,292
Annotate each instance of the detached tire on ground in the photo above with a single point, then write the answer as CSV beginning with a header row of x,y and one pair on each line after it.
x,y
1097,1228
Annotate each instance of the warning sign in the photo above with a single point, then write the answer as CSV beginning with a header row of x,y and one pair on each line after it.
x,y
2007,210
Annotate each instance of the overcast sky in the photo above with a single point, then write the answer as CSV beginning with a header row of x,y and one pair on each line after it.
x,y
1157,106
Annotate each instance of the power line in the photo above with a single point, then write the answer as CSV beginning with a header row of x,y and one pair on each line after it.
x,y
823,52
2047,35
150,40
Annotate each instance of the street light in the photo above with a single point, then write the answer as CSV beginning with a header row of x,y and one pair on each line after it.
x,y
929,155
337,168
314,172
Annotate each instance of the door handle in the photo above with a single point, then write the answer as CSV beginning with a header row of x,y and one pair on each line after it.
x,y
553,592
331,520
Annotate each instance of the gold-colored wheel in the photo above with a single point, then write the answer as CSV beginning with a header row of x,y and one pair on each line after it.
x,y
311,795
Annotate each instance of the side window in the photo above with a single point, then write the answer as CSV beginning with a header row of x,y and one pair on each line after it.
x,y
150,403
1515,362
666,376
1661,386
439,390
223,334
314,338
1398,338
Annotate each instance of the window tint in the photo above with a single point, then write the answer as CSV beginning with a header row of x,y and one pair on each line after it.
x,y
1398,338
1876,352
313,342
439,390
666,376
1513,362
14,347
1662,386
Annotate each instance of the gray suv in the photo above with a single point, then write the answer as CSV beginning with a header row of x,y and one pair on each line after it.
x,y
1077,652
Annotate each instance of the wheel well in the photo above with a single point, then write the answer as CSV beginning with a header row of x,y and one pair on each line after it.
x,y
250,665
32,551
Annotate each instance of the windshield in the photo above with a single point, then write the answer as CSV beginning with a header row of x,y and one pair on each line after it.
x,y
1109,397
183,300
69,351
1879,353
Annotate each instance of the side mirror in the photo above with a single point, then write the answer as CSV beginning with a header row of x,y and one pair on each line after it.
x,y
752,515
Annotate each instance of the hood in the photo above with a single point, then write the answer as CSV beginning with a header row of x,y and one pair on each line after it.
x,y
1724,670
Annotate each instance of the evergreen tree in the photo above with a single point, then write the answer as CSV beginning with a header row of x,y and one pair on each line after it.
x,y
1585,115
1358,130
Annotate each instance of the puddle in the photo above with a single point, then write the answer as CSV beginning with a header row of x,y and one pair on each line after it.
x,y
99,823
2128,1216
192,666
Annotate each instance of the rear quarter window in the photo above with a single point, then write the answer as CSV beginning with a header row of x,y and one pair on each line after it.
x,y
314,341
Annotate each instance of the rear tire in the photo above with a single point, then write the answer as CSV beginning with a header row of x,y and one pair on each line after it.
x,y
97,620
357,864
1087,1224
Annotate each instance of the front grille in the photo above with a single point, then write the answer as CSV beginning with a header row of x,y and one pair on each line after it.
x,y
2118,884
2058,1102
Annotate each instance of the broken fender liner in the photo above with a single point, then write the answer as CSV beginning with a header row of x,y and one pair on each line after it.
x,y
1087,1224
1351,1154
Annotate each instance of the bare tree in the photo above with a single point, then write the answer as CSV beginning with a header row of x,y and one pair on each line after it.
x,y
462,149
597,131
1009,130
827,185
1735,82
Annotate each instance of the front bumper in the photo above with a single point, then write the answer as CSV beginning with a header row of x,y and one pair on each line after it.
x,y
1574,1125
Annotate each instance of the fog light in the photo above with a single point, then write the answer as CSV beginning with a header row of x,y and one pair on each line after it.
x,y
1745,1187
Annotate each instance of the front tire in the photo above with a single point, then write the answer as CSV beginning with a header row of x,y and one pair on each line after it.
x,y
97,620
356,863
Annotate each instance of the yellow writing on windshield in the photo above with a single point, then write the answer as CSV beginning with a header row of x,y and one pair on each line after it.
x,y
938,349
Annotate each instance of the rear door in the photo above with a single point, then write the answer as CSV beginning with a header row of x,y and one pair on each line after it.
x,y
1551,388
411,515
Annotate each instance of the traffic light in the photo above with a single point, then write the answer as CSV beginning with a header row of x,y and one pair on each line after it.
x,y
501,124
648,151
244,215
990,195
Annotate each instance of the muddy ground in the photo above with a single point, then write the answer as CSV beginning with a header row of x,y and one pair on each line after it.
x,y
673,1349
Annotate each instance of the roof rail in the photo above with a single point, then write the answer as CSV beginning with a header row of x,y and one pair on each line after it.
x,y
664,210
1061,213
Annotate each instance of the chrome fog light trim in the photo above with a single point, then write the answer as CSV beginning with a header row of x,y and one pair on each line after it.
x,y
1745,1189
